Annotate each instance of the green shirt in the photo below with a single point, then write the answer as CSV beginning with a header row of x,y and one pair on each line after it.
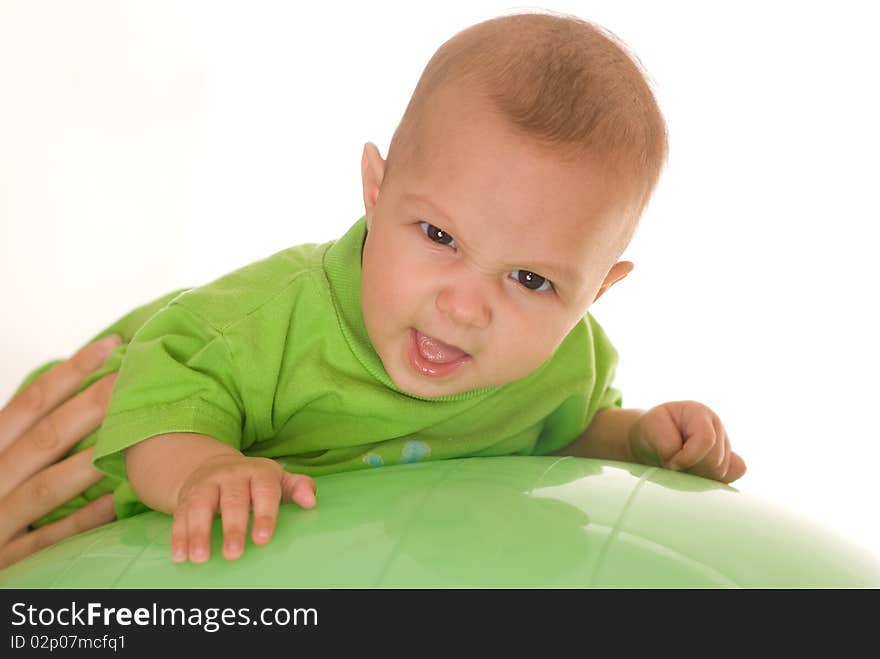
x,y
274,360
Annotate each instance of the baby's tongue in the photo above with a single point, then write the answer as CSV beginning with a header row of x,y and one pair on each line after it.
x,y
437,351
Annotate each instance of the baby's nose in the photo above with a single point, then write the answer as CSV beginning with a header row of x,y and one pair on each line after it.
x,y
466,305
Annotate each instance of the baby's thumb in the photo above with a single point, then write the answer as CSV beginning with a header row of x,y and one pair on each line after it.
x,y
298,488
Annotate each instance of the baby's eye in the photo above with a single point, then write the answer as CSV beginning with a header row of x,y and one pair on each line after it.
x,y
437,235
532,281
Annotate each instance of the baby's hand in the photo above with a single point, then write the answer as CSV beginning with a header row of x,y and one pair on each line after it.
x,y
231,483
686,435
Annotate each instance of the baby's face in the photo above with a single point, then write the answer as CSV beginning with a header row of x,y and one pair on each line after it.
x,y
481,254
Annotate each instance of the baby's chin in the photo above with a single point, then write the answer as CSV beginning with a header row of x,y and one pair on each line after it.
x,y
423,387
411,382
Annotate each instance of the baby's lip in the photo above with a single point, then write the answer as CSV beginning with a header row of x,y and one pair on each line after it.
x,y
449,345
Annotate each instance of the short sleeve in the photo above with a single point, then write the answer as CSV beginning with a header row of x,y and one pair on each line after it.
x,y
177,375
594,359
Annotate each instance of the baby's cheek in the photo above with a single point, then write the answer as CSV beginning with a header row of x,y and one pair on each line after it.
x,y
403,278
532,349
387,298
376,274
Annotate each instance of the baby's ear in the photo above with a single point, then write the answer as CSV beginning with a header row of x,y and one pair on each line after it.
x,y
618,271
372,173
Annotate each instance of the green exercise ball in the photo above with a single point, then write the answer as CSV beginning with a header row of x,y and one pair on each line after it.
x,y
485,522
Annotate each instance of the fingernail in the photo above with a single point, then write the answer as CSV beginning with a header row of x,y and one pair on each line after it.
x,y
107,345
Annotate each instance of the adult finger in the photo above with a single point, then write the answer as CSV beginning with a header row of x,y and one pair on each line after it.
x,y
96,513
45,491
265,496
51,389
53,436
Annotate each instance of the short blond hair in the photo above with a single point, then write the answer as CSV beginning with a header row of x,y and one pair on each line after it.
x,y
566,82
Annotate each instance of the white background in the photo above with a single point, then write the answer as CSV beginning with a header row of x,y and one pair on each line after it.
x,y
153,145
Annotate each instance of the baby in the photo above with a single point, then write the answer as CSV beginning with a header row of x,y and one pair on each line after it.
x,y
450,321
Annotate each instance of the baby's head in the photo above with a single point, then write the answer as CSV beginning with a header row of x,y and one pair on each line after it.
x,y
513,183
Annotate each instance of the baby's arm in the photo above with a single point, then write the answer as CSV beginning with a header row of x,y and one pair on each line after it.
x,y
607,436
157,467
192,476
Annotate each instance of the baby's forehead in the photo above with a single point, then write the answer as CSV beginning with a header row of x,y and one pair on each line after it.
x,y
566,214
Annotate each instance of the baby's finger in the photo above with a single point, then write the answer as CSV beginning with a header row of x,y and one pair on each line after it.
x,y
736,470
299,488
658,438
235,507
726,458
711,464
179,544
200,507
266,495
699,439
717,455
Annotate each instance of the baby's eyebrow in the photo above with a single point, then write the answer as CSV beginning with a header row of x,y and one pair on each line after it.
x,y
411,196
556,272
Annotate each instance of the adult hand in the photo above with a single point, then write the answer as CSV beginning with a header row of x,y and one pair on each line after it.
x,y
37,428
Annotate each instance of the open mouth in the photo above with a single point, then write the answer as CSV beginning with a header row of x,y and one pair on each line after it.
x,y
433,357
